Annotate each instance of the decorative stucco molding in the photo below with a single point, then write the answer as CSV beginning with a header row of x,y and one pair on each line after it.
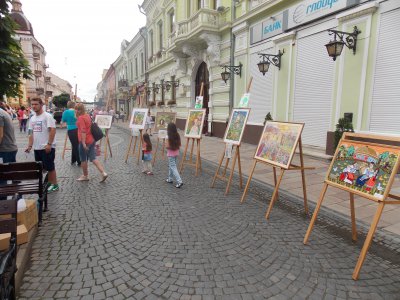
x,y
214,46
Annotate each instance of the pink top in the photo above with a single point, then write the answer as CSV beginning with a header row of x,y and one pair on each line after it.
x,y
172,153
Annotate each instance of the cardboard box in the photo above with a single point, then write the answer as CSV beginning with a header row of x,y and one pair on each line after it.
x,y
29,216
22,237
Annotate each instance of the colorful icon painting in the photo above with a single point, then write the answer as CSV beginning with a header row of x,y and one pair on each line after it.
x,y
363,168
236,125
278,143
163,119
138,118
194,123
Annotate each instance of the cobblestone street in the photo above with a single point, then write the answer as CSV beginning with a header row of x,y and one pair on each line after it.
x,y
138,237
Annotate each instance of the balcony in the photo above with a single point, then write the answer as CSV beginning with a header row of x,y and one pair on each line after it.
x,y
38,73
40,91
36,56
205,20
123,83
47,79
49,93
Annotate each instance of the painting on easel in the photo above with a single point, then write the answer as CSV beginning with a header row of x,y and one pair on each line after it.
x,y
237,123
104,121
163,119
278,143
363,168
138,118
194,123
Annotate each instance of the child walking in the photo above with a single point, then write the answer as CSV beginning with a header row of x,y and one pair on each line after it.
x,y
173,143
146,155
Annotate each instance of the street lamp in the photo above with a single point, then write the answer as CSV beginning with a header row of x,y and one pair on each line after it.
x,y
342,38
267,59
232,69
169,84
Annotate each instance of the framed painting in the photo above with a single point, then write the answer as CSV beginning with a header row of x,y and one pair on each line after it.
x,y
104,121
244,101
194,123
199,102
364,168
163,119
236,126
138,118
278,143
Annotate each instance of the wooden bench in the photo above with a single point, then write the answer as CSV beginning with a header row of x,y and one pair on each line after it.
x,y
27,178
8,258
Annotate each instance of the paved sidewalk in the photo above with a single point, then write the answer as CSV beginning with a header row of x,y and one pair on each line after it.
x,y
335,199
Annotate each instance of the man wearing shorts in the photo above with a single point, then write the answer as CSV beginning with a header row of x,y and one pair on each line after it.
x,y
42,139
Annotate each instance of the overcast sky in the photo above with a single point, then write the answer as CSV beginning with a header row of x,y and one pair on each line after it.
x,y
83,37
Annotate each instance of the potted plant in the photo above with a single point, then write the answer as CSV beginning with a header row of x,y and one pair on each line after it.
x,y
151,103
158,54
171,102
333,138
151,59
268,117
160,103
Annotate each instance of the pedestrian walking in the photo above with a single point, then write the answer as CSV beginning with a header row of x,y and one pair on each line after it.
x,y
23,117
69,118
173,143
8,144
42,127
148,124
87,144
146,155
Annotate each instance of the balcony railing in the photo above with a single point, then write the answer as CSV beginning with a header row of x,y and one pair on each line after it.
x,y
38,73
123,83
40,91
49,93
206,18
47,79
36,56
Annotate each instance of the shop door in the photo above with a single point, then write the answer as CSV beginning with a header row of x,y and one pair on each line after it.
x,y
202,76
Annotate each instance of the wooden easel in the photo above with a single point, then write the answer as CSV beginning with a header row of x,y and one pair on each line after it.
x,y
190,162
277,183
136,138
352,137
236,157
65,145
107,145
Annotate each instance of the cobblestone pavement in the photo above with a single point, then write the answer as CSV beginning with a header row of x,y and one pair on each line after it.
x,y
138,237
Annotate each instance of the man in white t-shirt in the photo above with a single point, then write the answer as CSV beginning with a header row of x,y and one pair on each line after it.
x,y
42,138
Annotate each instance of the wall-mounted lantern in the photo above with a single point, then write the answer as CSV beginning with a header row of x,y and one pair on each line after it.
x,y
267,59
341,38
232,69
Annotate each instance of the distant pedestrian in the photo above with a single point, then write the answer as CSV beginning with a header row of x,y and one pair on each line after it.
x,y
87,144
146,155
8,144
23,117
149,123
42,127
69,118
173,143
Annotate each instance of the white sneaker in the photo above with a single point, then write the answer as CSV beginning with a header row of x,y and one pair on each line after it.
x,y
83,178
104,177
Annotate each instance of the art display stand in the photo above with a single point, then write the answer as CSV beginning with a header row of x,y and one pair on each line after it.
x,y
236,158
278,181
383,141
107,145
197,162
65,145
223,175
136,140
162,141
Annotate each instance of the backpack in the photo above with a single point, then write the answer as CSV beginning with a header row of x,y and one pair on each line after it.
x,y
96,131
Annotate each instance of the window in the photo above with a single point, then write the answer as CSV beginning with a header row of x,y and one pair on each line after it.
x,y
188,8
142,63
171,16
151,42
160,31
173,89
199,4
136,67
131,70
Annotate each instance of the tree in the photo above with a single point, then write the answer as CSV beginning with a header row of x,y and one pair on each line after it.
x,y
13,65
61,101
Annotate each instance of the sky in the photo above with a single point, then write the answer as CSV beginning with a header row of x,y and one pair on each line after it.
x,y
83,37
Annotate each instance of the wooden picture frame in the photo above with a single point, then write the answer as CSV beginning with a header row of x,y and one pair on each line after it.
x,y
278,143
237,123
104,121
138,118
163,118
194,123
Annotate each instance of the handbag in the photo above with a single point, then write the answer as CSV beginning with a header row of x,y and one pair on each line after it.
x,y
96,131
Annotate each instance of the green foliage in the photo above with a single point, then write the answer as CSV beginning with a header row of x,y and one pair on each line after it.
x,y
343,125
268,117
61,101
13,65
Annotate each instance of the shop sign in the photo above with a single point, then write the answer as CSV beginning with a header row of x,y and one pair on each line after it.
x,y
309,10
268,28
